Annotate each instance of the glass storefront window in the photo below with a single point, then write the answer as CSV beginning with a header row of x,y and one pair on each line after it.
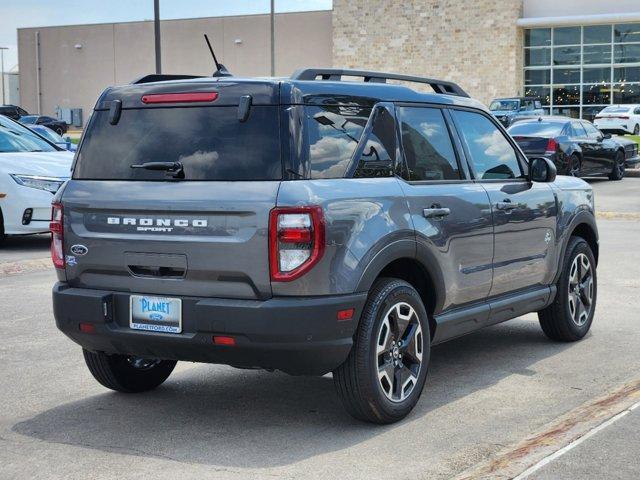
x,y
597,54
626,93
566,95
566,36
566,75
626,32
597,34
537,57
537,77
543,93
596,94
537,37
596,75
626,74
566,55
626,53
573,112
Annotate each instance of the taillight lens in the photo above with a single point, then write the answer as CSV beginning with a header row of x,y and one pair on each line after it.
x,y
296,241
57,244
552,146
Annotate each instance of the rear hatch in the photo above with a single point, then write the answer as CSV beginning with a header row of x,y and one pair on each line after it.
x,y
151,231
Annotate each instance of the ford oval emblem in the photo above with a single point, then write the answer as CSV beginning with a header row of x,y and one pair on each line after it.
x,y
79,250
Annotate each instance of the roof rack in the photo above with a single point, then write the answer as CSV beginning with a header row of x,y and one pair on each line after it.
x,y
336,74
157,77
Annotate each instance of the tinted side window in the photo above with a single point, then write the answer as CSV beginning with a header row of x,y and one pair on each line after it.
x,y
492,155
333,133
592,131
577,130
427,145
378,156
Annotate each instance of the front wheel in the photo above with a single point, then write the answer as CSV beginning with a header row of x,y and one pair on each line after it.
x,y
636,130
617,172
126,373
570,315
383,377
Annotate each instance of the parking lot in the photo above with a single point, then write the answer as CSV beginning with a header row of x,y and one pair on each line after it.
x,y
486,394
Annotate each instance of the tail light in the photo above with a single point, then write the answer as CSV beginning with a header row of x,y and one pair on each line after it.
x,y
552,146
57,248
187,97
296,241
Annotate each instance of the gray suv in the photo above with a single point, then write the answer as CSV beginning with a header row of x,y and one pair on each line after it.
x,y
310,225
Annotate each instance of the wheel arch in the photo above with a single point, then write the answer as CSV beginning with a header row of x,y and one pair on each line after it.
x,y
588,233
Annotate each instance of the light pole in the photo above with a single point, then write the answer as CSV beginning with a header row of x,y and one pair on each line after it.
x,y
156,33
2,49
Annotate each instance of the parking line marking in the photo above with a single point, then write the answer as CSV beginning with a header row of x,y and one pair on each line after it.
x,y
574,444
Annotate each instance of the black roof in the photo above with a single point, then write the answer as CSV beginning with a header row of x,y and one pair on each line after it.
x,y
294,90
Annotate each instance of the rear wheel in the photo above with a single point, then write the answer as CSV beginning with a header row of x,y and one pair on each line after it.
x,y
385,372
575,165
617,172
3,237
570,315
636,129
126,373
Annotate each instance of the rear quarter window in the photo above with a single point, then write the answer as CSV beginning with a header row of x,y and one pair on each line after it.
x,y
210,143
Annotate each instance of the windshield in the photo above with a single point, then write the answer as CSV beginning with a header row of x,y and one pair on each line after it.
x,y
504,105
48,134
209,142
16,138
29,119
536,129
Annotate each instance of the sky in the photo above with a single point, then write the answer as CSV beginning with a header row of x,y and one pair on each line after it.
x,y
16,14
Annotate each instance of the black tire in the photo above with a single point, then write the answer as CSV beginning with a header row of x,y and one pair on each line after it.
x,y
617,172
358,381
3,237
575,165
118,372
636,130
557,320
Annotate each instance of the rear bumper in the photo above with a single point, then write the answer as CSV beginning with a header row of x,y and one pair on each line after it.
x,y
298,335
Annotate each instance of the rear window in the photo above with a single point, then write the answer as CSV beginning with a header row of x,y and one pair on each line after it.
x,y
210,143
536,129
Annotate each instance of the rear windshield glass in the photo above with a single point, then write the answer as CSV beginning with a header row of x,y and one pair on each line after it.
x,y
536,129
616,110
209,142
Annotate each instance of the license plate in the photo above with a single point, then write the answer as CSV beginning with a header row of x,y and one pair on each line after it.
x,y
155,314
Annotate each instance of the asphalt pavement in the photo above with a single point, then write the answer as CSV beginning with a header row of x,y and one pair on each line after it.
x,y
485,392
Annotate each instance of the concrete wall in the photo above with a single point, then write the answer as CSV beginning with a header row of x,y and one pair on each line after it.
x,y
474,43
118,53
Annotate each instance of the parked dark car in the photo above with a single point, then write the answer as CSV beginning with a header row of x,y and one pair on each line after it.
x,y
631,153
13,111
53,137
506,110
575,146
57,126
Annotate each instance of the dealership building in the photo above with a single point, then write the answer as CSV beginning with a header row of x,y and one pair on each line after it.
x,y
577,56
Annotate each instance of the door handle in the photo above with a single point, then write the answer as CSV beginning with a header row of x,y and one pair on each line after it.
x,y
435,212
506,205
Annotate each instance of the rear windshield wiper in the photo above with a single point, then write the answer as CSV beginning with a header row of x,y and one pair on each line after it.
x,y
174,169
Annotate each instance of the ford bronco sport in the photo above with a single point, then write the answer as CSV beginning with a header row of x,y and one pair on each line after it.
x,y
310,225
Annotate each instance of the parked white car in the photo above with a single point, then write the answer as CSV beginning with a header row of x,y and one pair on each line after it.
x,y
31,172
619,119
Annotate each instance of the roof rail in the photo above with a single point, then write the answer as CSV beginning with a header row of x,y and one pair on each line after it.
x,y
157,77
336,74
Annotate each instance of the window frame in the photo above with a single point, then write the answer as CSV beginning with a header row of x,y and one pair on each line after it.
x,y
520,157
404,171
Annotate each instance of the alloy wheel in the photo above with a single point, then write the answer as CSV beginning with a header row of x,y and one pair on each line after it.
x,y
580,289
574,169
399,351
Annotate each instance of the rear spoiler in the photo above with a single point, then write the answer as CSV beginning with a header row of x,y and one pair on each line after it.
x,y
156,77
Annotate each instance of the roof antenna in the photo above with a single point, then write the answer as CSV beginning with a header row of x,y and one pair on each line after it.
x,y
221,70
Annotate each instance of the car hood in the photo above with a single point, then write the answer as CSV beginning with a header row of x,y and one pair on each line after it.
x,y
46,164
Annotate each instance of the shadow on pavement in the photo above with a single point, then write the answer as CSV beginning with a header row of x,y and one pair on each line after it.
x,y
26,243
242,418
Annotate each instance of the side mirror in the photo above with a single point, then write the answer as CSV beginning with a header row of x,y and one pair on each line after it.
x,y
606,135
542,170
